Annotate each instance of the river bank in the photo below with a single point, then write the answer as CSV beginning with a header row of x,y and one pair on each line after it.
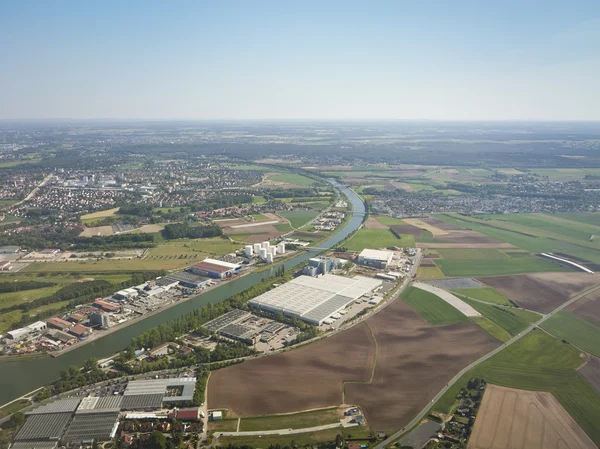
x,y
26,375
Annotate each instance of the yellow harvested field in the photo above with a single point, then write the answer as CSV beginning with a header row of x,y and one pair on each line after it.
x,y
421,224
150,229
97,230
100,214
522,419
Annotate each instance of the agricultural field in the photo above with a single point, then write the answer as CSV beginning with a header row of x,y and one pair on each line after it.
x,y
522,419
388,221
541,292
471,254
287,180
405,378
591,372
301,420
97,216
587,308
424,273
377,238
299,218
432,308
486,294
497,267
501,316
584,335
544,236
539,362
492,328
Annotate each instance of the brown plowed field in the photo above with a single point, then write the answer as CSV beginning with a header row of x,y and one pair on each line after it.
x,y
521,419
591,371
587,308
305,378
468,237
542,292
414,361
255,234
428,263
372,223
498,245
442,225
407,229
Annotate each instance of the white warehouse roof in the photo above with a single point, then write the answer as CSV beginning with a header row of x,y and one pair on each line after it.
x,y
313,299
221,263
375,254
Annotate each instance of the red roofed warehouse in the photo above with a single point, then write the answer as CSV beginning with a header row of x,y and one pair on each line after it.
x,y
215,268
59,323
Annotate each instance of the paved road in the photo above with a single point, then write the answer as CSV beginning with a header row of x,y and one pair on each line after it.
x,y
284,431
424,412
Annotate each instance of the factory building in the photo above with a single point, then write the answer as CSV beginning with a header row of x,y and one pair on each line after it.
x,y
9,249
375,258
59,323
22,332
215,268
185,279
100,319
314,299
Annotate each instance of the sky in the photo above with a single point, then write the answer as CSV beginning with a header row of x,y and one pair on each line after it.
x,y
303,59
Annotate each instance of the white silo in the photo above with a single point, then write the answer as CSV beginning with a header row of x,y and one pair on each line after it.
x,y
270,258
248,250
281,248
263,253
256,247
264,245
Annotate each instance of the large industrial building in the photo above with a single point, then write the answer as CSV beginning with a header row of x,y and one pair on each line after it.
x,y
215,268
153,393
375,258
314,299
186,279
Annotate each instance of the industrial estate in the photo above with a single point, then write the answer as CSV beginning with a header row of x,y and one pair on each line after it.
x,y
293,291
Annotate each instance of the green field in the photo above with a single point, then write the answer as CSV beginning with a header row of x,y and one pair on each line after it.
x,y
542,363
487,294
377,238
223,425
389,221
591,218
503,317
496,267
292,421
429,273
258,200
300,439
13,407
581,333
10,219
492,328
284,227
532,239
432,308
110,266
473,254
291,178
299,218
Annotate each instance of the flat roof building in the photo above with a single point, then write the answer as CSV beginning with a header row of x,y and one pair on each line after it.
x,y
314,299
58,323
215,268
9,249
375,258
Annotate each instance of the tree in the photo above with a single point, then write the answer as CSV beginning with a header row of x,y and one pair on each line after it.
x,y
157,440
339,441
16,420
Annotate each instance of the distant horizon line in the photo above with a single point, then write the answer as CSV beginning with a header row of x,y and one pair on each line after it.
x,y
112,119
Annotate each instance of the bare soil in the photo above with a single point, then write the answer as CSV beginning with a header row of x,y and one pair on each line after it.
x,y
591,372
97,230
521,419
542,292
372,223
441,224
414,362
407,229
498,245
256,233
306,378
587,308
468,237
428,263
150,228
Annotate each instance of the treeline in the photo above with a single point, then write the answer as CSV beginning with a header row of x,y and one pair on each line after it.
x,y
292,193
308,334
113,242
140,210
18,286
184,230
76,378
226,201
201,381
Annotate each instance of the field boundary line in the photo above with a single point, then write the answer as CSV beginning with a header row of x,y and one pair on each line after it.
x,y
373,366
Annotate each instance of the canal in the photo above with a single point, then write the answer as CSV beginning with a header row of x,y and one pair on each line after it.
x,y
18,377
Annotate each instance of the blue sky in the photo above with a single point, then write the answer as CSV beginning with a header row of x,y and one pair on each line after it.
x,y
442,59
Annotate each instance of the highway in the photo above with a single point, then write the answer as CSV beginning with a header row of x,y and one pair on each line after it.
x,y
516,338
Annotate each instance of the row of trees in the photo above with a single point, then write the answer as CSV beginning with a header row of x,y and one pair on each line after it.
x,y
184,230
19,286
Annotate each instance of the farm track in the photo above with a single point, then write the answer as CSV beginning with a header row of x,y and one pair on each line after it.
x,y
489,355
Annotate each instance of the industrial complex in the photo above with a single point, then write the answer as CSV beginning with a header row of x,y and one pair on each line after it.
x,y
315,299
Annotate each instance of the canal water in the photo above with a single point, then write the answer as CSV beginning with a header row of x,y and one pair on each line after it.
x,y
18,377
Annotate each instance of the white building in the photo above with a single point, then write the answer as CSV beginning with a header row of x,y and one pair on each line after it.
x,y
375,258
281,248
248,250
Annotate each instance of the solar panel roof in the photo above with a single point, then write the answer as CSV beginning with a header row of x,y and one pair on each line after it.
x,y
142,401
60,406
44,427
88,427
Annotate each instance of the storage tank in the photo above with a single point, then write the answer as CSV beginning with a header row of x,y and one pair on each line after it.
x,y
270,258
281,248
262,253
272,250
248,250
264,245
256,247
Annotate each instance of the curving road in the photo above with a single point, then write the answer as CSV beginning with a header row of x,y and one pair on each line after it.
x,y
426,410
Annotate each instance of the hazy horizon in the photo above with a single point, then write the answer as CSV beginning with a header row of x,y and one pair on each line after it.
x,y
311,61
